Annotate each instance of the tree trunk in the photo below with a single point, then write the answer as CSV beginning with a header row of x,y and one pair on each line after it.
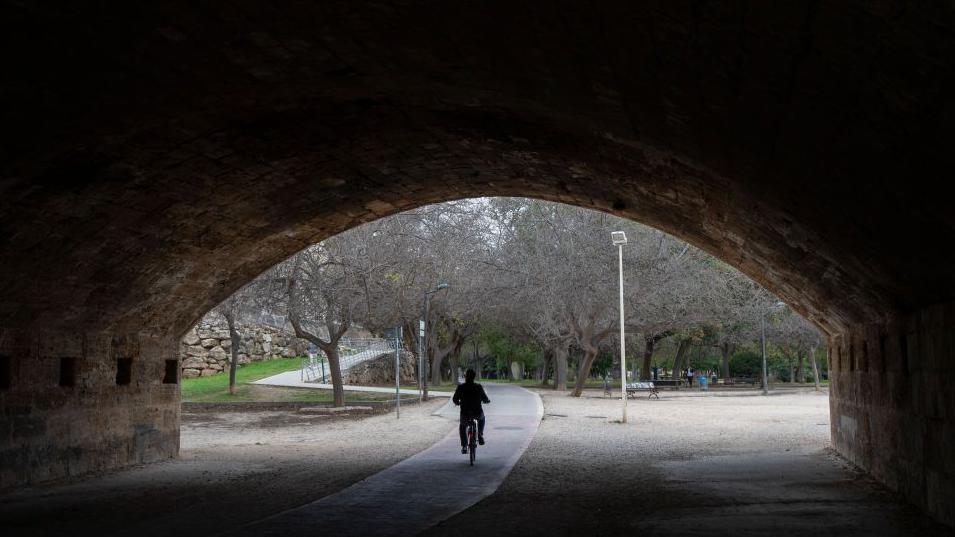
x,y
233,351
681,351
454,368
726,349
572,371
815,367
476,358
410,338
437,368
433,354
334,365
635,366
583,372
560,367
330,348
546,365
800,369
650,343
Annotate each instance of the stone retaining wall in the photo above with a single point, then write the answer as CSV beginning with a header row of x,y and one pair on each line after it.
x,y
381,371
206,348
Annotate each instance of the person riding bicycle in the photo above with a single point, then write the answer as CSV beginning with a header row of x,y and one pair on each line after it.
x,y
469,396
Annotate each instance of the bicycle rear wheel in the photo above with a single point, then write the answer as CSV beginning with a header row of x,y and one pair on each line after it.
x,y
472,442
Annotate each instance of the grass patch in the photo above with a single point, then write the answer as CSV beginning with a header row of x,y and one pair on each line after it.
x,y
216,388
208,388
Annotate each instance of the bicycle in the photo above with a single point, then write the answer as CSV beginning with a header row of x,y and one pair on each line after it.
x,y
472,438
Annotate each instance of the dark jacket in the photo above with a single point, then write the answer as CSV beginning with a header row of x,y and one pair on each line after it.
x,y
470,395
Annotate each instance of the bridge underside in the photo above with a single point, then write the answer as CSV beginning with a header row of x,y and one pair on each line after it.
x,y
149,148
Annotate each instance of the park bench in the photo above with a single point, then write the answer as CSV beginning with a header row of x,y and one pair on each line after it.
x,y
668,383
634,387
740,380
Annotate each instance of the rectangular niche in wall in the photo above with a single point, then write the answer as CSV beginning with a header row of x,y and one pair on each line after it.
x,y
124,371
172,372
6,372
67,372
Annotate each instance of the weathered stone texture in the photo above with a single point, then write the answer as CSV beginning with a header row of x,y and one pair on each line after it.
x,y
48,431
212,354
892,401
381,371
807,144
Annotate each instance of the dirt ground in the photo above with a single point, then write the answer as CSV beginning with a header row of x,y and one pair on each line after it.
x,y
234,467
691,463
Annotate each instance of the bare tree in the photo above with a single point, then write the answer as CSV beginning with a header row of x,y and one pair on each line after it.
x,y
229,310
541,271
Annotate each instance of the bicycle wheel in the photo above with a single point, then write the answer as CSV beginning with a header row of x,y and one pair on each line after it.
x,y
472,442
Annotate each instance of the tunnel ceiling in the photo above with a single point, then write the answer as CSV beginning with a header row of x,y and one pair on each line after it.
x,y
158,157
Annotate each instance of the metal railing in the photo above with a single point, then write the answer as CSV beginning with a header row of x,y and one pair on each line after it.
x,y
351,352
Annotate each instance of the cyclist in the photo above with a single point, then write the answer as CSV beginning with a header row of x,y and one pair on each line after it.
x,y
469,396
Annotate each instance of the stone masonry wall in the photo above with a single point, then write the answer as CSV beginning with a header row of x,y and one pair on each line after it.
x,y
206,347
76,403
892,405
381,371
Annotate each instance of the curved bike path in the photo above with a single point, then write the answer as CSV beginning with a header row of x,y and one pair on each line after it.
x,y
426,488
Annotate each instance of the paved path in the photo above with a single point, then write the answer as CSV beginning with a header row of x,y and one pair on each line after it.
x,y
425,489
293,379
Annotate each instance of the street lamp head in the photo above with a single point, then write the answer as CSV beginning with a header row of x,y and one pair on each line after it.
x,y
441,286
619,237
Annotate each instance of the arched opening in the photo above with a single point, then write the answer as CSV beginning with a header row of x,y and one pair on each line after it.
x,y
802,144
297,465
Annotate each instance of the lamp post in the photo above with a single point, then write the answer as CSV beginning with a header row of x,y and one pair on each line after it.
x,y
422,358
762,342
619,239
396,335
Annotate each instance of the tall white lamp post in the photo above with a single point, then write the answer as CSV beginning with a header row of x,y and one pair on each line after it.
x,y
619,239
762,342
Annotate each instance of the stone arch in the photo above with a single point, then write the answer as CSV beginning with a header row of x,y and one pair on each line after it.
x,y
803,144
198,222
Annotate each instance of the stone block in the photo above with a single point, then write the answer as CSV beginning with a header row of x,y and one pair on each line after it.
x,y
190,373
191,338
218,353
193,362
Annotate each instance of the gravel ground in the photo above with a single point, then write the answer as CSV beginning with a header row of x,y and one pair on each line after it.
x,y
690,463
234,467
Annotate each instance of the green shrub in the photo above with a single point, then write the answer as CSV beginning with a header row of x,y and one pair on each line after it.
x,y
746,363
